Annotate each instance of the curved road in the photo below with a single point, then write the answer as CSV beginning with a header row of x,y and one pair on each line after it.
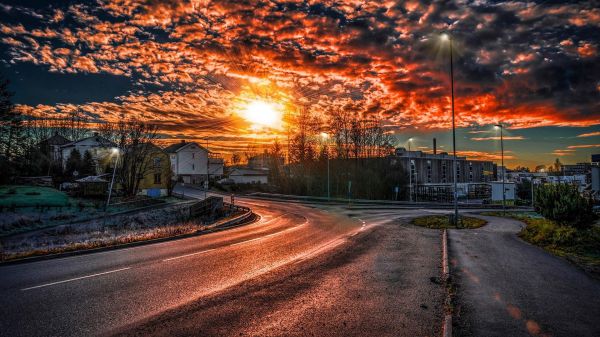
x,y
127,291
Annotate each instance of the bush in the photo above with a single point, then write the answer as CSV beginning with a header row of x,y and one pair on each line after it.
x,y
564,204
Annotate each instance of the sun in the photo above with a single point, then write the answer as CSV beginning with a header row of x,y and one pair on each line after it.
x,y
262,113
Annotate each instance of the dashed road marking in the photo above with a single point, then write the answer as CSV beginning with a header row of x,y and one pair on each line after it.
x,y
75,279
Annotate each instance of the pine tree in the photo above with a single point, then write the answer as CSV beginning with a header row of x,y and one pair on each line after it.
x,y
74,163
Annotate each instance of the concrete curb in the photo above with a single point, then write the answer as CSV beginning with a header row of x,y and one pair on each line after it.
x,y
243,219
447,324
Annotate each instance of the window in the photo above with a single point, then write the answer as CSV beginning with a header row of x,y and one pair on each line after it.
x,y
193,167
193,155
157,177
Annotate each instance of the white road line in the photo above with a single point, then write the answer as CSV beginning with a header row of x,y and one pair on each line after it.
x,y
186,255
75,279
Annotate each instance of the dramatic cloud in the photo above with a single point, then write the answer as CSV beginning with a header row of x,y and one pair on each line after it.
x,y
498,138
590,134
192,62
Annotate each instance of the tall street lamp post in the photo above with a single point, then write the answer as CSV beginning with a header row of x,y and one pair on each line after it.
x,y
499,126
410,174
446,37
115,151
325,137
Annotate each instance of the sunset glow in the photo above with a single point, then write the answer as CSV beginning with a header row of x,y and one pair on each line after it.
x,y
225,66
262,114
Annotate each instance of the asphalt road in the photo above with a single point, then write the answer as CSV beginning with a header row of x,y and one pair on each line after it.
x,y
298,271
507,287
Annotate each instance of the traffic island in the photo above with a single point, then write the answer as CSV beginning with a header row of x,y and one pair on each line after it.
x,y
446,222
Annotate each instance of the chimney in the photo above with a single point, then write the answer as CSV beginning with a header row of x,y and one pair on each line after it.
x,y
183,141
95,134
434,146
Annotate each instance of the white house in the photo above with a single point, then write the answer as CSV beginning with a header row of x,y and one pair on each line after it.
x,y
192,163
241,175
99,147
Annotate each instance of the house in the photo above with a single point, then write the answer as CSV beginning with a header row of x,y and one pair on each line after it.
x,y
99,147
157,174
241,175
51,147
264,161
192,163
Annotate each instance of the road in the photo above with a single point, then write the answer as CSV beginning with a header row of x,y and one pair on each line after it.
x,y
299,270
507,287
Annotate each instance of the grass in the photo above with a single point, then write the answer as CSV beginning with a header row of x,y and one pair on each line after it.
x,y
32,196
443,221
580,246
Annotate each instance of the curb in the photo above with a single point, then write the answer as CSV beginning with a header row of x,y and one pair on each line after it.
x,y
447,324
244,219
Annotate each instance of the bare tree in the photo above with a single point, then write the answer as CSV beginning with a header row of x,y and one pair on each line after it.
x,y
135,141
11,124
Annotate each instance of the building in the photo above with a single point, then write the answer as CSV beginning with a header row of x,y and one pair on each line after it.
x,y
192,163
596,159
99,147
242,175
51,147
157,175
579,169
263,161
434,168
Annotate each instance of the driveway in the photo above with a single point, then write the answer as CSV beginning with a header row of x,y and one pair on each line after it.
x,y
507,287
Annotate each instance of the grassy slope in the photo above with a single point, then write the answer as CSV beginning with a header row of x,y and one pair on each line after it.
x,y
581,246
443,221
47,196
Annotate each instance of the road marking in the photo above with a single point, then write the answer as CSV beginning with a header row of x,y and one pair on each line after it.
x,y
75,279
186,255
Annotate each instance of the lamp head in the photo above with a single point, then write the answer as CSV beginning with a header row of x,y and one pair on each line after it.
x,y
445,37
324,135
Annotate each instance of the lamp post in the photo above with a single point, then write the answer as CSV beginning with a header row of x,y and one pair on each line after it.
x,y
499,126
410,186
325,138
114,151
446,37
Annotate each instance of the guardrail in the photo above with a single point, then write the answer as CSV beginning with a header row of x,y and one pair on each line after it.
x,y
247,215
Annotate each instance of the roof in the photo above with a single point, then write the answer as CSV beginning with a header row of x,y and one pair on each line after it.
x,y
173,148
91,179
248,172
103,142
56,139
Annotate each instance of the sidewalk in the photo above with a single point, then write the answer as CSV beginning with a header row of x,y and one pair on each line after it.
x,y
507,287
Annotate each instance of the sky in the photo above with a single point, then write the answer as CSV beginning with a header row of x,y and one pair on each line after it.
x,y
191,66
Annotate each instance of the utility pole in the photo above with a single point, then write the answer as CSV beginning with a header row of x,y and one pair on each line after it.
x,y
499,125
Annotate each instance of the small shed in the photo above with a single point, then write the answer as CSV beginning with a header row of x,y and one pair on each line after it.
x,y
92,186
509,190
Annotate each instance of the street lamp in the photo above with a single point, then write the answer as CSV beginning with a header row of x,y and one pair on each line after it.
x,y
447,38
410,186
114,151
499,126
325,138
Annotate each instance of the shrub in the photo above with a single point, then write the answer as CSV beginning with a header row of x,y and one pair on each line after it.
x,y
11,191
32,193
564,204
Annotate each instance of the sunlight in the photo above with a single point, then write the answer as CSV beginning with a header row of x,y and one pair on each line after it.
x,y
262,114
